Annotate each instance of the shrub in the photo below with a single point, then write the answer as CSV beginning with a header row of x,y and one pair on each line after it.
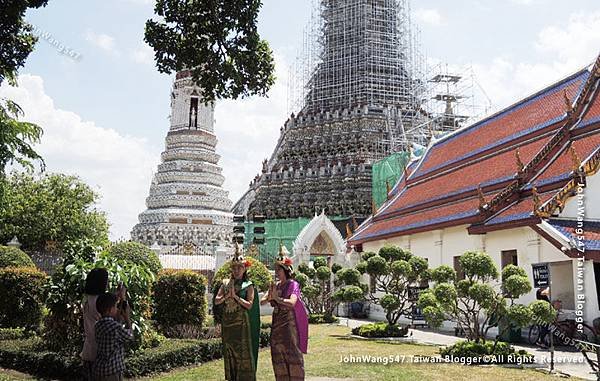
x,y
380,329
32,357
180,303
14,333
137,253
322,319
482,353
13,257
22,295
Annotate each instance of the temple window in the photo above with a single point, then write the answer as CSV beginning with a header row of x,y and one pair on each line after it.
x,y
509,257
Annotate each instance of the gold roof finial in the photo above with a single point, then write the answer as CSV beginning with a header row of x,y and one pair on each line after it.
x,y
348,230
568,105
373,207
482,201
536,199
574,158
520,164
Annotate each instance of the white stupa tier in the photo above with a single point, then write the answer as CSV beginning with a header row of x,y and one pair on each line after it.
x,y
187,204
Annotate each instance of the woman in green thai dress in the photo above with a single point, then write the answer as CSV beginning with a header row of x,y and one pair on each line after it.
x,y
240,323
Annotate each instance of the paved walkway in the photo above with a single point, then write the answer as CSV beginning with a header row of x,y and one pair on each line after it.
x,y
570,362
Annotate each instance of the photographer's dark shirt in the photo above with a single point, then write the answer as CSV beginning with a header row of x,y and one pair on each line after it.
x,y
110,340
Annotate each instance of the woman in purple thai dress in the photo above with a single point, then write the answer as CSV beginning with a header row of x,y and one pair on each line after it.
x,y
289,330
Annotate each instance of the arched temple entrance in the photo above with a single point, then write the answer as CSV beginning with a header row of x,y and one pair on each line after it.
x,y
320,238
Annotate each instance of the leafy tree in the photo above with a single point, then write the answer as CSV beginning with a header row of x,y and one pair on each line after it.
x,y
393,272
217,40
475,304
15,34
324,288
16,137
54,207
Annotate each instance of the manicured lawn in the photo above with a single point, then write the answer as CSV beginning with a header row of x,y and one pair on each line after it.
x,y
328,343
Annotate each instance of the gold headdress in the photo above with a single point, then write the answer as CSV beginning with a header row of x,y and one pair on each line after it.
x,y
239,258
284,260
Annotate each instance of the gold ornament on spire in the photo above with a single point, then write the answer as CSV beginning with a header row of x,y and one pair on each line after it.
x,y
373,207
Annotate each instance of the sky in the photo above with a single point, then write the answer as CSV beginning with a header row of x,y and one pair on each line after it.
x,y
91,83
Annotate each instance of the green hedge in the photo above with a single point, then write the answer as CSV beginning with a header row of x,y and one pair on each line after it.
x,y
381,329
138,253
22,296
30,356
482,353
13,257
180,302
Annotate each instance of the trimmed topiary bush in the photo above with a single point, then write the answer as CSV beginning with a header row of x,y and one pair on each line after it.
x,y
13,257
22,296
180,303
137,253
380,329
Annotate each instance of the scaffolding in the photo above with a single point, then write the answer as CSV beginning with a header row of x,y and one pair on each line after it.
x,y
455,98
363,54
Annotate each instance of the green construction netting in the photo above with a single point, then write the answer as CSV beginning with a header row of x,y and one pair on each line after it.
x,y
387,170
278,231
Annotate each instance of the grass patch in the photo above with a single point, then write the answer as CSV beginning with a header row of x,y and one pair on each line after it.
x,y
328,343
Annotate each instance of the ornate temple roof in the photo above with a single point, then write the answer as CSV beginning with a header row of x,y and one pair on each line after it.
x,y
515,168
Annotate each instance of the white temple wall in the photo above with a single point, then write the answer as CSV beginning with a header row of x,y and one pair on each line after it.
x,y
441,246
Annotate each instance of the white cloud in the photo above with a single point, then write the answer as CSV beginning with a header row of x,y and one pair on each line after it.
x,y
579,39
102,41
118,166
429,16
561,51
248,130
143,55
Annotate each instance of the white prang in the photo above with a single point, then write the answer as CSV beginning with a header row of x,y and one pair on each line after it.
x,y
187,204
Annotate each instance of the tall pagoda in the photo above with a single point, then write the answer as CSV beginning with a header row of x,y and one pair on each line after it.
x,y
362,102
187,205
